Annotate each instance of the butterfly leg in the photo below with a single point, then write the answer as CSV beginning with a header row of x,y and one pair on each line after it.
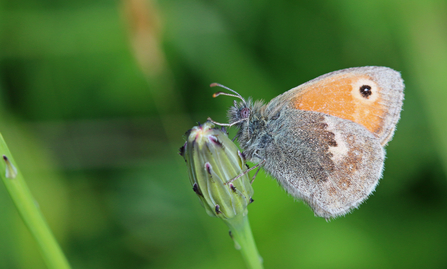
x,y
259,167
257,171
247,171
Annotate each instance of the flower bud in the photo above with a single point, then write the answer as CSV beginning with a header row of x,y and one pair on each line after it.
x,y
214,162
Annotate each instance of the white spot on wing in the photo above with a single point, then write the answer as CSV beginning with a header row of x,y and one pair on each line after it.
x,y
341,150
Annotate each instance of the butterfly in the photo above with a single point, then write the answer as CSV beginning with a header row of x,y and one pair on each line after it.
x,y
323,140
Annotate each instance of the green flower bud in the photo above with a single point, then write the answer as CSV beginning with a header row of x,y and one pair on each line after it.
x,y
214,162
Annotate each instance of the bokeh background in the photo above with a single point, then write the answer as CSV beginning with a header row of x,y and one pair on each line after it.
x,y
95,97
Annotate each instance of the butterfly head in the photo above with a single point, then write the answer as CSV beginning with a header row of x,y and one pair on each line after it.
x,y
240,112
247,116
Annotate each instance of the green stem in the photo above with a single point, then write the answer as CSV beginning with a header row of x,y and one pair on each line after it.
x,y
243,238
29,211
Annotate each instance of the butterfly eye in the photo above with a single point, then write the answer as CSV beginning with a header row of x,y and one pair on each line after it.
x,y
365,91
245,112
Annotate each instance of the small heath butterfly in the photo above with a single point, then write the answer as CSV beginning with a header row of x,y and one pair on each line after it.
x,y
323,140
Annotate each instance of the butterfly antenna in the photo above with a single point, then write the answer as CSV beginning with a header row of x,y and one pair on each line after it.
x,y
226,124
237,95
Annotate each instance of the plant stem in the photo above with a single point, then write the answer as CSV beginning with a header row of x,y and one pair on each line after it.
x,y
29,211
243,238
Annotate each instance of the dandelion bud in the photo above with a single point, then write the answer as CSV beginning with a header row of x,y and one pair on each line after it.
x,y
216,171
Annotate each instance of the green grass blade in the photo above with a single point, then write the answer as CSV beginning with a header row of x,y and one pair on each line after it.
x,y
29,211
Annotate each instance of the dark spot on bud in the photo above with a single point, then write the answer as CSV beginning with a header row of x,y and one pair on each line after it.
x,y
242,155
188,133
245,113
182,151
251,200
232,187
214,140
5,158
217,209
196,189
231,234
365,91
208,168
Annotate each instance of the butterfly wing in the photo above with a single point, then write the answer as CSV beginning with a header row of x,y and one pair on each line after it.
x,y
371,96
331,163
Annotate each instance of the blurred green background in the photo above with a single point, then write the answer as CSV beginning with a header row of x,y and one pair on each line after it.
x,y
96,95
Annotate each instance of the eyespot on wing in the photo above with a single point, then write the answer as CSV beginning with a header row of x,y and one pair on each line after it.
x,y
371,96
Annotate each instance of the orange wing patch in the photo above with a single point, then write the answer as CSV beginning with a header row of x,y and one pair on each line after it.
x,y
355,98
